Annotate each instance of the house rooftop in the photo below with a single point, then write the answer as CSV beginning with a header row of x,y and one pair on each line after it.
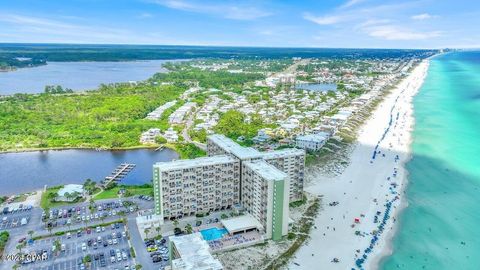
x,y
320,136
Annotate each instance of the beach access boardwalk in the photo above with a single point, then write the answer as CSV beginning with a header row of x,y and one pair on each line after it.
x,y
118,174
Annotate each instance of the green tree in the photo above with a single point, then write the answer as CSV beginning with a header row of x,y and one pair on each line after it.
x,y
30,233
188,228
160,140
175,223
58,245
20,246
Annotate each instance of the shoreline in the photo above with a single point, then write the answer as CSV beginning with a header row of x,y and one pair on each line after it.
x,y
388,249
138,147
367,187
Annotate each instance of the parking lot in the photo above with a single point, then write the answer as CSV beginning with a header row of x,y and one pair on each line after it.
x,y
84,213
158,251
98,248
14,221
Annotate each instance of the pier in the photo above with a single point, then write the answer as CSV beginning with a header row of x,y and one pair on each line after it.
x,y
118,174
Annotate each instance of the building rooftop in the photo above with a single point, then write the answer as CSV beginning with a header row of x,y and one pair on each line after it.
x,y
317,137
191,163
234,148
283,153
70,189
241,223
265,170
194,253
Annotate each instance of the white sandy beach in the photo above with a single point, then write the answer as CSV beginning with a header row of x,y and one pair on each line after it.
x,y
364,188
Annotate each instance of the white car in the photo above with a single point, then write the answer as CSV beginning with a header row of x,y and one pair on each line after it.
x,y
84,247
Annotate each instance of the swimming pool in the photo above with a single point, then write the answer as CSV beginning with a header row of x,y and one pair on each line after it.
x,y
213,233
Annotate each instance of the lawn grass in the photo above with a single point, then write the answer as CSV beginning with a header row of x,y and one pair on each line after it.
x,y
47,202
130,191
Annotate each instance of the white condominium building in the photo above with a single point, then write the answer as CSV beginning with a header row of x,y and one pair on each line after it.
x,y
263,183
290,161
218,144
187,187
265,195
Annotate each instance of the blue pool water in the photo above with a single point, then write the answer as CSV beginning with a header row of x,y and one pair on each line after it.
x,y
213,233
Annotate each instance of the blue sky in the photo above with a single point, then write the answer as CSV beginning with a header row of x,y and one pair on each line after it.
x,y
287,23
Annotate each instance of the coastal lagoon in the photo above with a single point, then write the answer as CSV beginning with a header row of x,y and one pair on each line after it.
x,y
439,228
28,171
78,76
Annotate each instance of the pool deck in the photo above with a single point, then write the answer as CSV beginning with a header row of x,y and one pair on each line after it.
x,y
213,233
236,241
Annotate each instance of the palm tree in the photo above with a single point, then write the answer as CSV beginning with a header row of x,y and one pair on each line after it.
x,y
31,234
16,266
158,229
102,217
86,223
138,267
91,206
146,231
19,247
57,244
69,196
188,228
87,259
175,223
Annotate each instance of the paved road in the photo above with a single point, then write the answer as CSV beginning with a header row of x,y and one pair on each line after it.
x,y
186,136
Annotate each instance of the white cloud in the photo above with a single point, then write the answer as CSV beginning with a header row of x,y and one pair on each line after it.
x,y
228,11
145,15
372,22
423,16
39,29
351,3
392,32
324,20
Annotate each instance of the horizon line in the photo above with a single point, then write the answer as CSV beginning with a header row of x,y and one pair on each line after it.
x,y
232,46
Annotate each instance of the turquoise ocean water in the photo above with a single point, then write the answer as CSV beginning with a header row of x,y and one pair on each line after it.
x,y
440,229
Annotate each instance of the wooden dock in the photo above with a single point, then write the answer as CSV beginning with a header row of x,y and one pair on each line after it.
x,y
119,173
